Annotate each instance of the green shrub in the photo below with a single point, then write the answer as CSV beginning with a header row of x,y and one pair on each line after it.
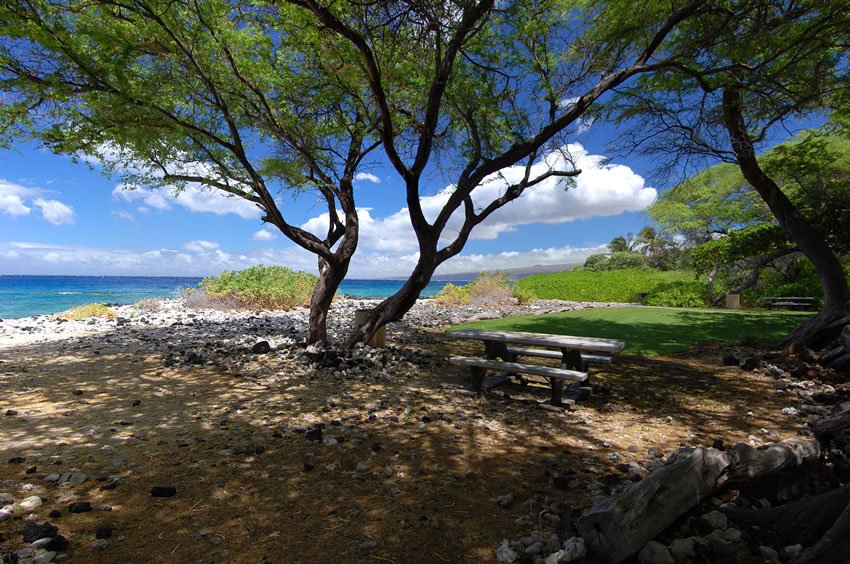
x,y
614,261
489,288
262,287
677,294
86,311
607,286
452,295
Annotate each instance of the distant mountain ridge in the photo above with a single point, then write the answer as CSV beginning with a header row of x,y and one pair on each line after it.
x,y
511,273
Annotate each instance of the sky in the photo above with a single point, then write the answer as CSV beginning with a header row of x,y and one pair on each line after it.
x,y
60,217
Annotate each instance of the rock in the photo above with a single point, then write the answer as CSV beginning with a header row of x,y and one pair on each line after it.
x,y
6,499
362,467
575,549
730,360
768,553
561,482
104,507
314,435
368,545
505,500
103,532
55,514
136,403
193,357
388,472
40,543
655,553
163,491
77,392
682,549
262,347
33,531
80,507
6,513
751,364
714,520
30,502
17,460
43,557
534,549
57,544
100,544
792,550
51,478
504,552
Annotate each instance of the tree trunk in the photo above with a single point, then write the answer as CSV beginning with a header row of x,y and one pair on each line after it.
x,y
330,277
824,327
394,307
621,525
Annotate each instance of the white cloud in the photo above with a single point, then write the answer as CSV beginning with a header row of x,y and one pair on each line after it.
x,y
55,212
201,246
124,214
14,198
12,204
600,190
205,258
194,197
263,235
367,176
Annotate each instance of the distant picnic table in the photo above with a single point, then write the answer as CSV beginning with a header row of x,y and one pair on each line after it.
x,y
789,302
574,353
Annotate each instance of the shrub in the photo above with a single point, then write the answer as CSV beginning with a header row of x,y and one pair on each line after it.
x,y
614,261
677,294
452,295
607,286
86,311
489,288
260,287
149,305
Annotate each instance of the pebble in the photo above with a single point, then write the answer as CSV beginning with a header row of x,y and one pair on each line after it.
x,y
100,544
163,491
30,502
362,467
505,500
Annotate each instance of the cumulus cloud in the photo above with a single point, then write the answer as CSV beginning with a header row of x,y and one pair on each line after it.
x,y
263,235
194,197
14,198
367,176
55,212
600,190
124,214
201,246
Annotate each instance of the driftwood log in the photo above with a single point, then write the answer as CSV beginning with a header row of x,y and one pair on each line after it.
x,y
831,424
839,358
621,525
804,522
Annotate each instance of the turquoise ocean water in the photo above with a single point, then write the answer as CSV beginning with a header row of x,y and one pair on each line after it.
x,y
22,296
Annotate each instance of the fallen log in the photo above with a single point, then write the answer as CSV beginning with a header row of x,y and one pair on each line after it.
x,y
802,522
833,547
831,424
621,525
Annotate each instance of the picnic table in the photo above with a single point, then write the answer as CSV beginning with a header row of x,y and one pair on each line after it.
x,y
792,302
574,353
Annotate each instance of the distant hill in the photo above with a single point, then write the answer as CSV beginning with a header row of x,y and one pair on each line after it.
x,y
511,273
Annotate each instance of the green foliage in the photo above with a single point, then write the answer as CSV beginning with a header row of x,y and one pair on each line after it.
x,y
657,331
489,288
262,287
615,261
86,311
677,294
608,286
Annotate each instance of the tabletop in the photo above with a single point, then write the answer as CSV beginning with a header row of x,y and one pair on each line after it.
x,y
540,339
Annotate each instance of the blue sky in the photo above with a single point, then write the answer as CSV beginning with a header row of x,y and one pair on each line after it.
x,y
61,217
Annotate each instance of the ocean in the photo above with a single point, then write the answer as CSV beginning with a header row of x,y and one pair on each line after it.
x,y
23,296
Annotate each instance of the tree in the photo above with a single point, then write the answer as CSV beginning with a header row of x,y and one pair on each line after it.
x,y
754,65
485,86
245,98
621,244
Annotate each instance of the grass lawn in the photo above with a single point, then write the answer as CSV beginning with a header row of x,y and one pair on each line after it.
x,y
657,331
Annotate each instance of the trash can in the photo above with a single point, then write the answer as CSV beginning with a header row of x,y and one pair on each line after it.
x,y
379,339
733,301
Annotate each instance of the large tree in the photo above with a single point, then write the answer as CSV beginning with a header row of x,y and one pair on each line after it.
x,y
246,98
755,67
485,86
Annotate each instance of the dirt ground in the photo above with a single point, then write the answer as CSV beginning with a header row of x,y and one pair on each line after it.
x,y
252,488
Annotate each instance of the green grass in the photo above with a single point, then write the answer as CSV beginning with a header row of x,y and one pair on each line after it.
x,y
657,331
605,286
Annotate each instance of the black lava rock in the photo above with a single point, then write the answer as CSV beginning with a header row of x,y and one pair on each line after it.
x,y
730,360
163,491
32,531
561,482
308,466
136,403
262,347
194,358
103,532
751,364
315,435
718,444
80,507
17,460
55,514
57,544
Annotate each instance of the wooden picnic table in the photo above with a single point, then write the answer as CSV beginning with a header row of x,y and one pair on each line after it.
x,y
573,352
791,302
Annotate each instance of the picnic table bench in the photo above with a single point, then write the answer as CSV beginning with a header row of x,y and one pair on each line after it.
x,y
793,302
573,352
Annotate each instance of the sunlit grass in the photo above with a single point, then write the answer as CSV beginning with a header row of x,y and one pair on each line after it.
x,y
86,311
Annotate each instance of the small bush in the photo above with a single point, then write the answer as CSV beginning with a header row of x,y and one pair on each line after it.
x,y
259,287
677,294
149,305
490,288
86,311
452,295
607,286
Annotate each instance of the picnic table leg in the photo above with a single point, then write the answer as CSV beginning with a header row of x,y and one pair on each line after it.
x,y
492,351
571,360
557,391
